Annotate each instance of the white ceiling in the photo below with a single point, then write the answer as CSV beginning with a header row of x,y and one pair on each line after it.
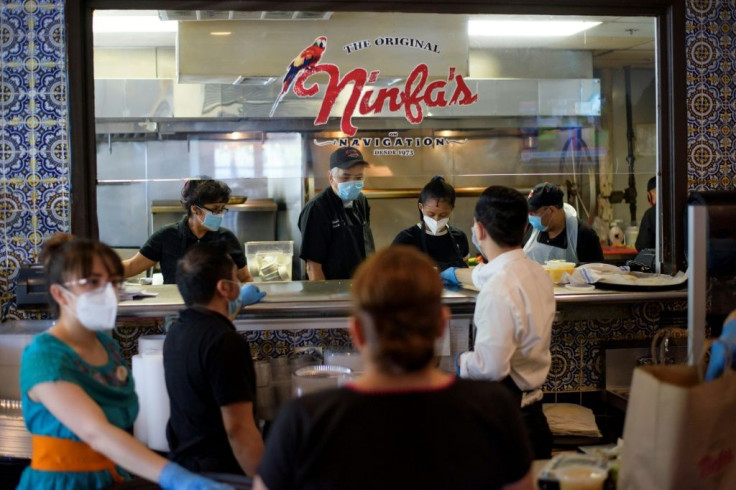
x,y
617,40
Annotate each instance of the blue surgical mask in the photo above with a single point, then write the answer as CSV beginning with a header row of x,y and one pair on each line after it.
x,y
350,190
536,222
476,243
211,220
235,305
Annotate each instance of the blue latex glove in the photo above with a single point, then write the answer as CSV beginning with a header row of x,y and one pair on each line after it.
x,y
449,277
718,353
174,477
249,294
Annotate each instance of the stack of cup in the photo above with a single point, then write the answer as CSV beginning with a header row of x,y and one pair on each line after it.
x,y
265,392
280,379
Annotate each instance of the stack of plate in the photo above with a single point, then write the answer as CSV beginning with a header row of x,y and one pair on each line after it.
x,y
15,440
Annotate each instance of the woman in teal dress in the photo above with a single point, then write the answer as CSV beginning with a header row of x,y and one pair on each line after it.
x,y
77,392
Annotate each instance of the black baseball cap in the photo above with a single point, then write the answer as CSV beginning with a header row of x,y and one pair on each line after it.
x,y
545,194
346,157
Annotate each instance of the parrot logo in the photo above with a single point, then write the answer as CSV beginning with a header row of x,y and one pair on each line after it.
x,y
306,60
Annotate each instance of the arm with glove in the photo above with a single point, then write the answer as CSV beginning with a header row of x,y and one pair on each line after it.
x,y
723,350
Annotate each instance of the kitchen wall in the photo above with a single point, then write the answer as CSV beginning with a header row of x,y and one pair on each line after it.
x,y
34,185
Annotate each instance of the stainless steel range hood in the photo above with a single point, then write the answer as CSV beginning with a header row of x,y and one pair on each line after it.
x,y
145,101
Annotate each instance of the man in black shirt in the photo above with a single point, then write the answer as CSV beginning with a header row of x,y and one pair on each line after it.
x,y
208,369
205,203
647,237
335,224
557,234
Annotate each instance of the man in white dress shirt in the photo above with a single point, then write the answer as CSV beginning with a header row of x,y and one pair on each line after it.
x,y
513,312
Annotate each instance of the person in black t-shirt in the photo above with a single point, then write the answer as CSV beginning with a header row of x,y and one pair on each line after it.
x,y
403,423
433,235
208,369
204,202
647,237
336,224
556,232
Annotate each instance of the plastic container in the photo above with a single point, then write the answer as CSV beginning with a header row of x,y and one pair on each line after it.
x,y
632,232
557,269
151,343
316,378
270,261
346,358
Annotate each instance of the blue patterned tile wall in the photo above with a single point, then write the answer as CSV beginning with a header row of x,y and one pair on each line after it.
x,y
34,156
711,105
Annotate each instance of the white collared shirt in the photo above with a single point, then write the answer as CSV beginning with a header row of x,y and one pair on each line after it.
x,y
513,317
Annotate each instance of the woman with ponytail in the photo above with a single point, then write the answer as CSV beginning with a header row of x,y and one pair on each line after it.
x,y
433,235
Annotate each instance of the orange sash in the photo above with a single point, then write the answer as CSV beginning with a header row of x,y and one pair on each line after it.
x,y
56,454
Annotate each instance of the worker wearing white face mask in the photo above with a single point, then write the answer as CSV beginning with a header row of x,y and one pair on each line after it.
x,y
556,232
433,235
78,394
205,203
336,224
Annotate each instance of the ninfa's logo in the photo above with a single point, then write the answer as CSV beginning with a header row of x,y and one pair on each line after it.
x,y
413,98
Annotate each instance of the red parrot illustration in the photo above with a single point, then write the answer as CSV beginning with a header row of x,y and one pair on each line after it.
x,y
306,60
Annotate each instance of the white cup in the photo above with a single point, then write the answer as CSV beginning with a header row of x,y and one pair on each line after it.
x,y
158,279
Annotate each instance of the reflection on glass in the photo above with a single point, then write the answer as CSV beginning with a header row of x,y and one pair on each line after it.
x,y
574,108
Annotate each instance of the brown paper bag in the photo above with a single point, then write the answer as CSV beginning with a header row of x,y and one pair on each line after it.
x,y
679,432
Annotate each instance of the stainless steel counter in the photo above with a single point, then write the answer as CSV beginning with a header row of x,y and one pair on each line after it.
x,y
332,298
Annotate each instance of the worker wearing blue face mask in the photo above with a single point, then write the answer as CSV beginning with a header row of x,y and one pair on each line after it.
x,y
556,232
204,201
335,224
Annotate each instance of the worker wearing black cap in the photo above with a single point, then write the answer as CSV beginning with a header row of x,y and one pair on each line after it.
x,y
647,237
558,234
335,224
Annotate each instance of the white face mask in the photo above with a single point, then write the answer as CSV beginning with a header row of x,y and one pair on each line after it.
x,y
435,225
96,310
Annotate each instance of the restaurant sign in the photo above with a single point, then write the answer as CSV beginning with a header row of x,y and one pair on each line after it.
x,y
416,95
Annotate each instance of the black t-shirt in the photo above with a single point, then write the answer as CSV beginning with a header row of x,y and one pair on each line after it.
x,y
167,245
467,435
447,250
588,248
647,230
207,365
337,237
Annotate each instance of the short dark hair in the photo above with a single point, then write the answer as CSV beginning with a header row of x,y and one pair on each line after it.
x,y
504,213
198,272
399,294
66,257
198,192
652,184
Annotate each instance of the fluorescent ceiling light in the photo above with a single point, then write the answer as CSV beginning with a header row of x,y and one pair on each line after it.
x,y
528,28
132,23
220,33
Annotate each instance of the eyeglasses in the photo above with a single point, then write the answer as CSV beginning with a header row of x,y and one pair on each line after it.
x,y
222,211
93,283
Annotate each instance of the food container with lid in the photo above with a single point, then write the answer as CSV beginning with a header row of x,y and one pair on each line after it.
x,y
557,269
270,261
